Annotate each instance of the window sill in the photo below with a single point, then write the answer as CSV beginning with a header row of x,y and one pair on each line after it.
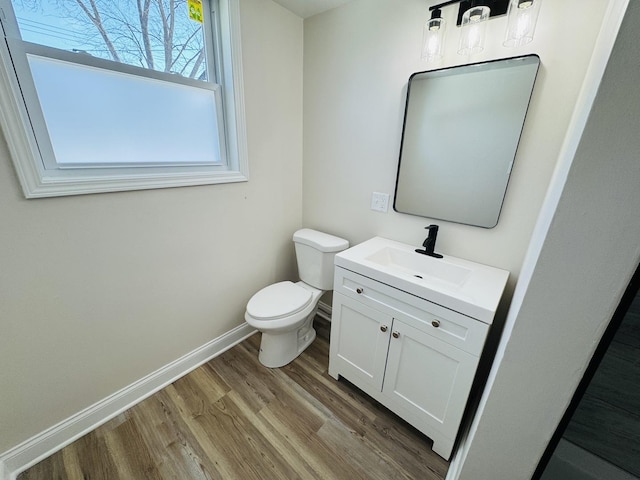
x,y
39,186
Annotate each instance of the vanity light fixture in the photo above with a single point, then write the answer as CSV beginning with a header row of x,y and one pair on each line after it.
x,y
433,37
521,23
472,16
474,26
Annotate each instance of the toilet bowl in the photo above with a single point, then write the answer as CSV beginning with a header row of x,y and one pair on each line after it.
x,y
284,312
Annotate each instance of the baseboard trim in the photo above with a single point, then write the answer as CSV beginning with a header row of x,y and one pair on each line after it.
x,y
324,311
18,459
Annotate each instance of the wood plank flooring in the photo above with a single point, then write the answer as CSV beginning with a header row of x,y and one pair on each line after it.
x,y
234,419
607,420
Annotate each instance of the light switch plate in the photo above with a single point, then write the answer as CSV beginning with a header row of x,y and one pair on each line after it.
x,y
380,202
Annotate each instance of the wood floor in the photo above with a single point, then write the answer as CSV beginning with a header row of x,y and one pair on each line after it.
x,y
234,419
607,420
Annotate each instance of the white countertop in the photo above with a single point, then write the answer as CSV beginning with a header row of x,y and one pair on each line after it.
x,y
466,287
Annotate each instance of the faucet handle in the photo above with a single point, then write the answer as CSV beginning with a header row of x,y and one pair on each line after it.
x,y
429,243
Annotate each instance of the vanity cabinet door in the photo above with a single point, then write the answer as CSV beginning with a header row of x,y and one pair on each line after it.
x,y
428,380
359,342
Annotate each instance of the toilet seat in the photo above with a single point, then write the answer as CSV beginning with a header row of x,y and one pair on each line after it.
x,y
279,300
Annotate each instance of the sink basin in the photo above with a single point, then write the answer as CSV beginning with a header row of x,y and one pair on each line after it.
x,y
420,266
470,288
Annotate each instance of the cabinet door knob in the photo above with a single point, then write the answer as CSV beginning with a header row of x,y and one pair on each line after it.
x,y
395,334
383,328
435,323
359,290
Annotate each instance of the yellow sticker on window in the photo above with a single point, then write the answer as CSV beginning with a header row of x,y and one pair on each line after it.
x,y
195,10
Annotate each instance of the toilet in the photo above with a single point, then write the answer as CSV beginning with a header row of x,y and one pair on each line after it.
x,y
284,311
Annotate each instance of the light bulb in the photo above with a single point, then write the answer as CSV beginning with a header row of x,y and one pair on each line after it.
x,y
522,17
433,39
473,29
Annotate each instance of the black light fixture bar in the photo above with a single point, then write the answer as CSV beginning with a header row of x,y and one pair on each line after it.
x,y
445,4
498,7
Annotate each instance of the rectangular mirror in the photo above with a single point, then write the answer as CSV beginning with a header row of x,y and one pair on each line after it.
x,y
461,131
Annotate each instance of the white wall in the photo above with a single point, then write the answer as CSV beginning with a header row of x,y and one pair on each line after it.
x,y
97,291
357,61
584,253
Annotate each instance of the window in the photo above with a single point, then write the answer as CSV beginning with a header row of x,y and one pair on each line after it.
x,y
107,95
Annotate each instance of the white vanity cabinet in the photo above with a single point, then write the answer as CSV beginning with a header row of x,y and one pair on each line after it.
x,y
414,356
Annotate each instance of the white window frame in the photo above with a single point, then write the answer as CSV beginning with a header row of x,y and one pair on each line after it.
x,y
38,181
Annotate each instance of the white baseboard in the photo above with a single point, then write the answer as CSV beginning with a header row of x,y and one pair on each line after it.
x,y
42,445
324,311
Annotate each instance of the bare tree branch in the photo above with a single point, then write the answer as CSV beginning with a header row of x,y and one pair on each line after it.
x,y
97,21
167,32
143,16
154,34
182,49
196,65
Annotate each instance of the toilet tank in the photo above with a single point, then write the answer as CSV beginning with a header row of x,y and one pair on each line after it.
x,y
314,253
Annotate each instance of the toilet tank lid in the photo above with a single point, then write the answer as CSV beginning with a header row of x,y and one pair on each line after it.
x,y
322,241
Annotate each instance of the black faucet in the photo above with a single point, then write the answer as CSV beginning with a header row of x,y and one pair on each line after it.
x,y
429,243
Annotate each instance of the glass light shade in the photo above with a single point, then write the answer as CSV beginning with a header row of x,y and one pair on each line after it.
x,y
472,33
521,22
433,39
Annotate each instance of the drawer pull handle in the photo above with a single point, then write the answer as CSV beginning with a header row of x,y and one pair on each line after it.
x,y
395,334
435,323
383,328
359,290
